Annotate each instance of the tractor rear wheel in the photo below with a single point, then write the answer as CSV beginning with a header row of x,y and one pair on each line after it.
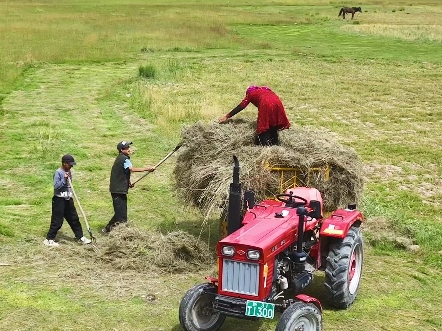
x,y
300,316
344,268
196,309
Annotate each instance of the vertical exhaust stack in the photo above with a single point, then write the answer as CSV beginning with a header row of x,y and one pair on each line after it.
x,y
299,256
234,211
302,278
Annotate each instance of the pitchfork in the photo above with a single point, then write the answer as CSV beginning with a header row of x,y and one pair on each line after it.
x,y
159,163
94,247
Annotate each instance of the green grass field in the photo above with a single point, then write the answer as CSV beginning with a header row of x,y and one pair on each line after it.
x,y
69,84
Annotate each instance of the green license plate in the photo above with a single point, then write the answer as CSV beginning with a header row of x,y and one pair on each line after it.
x,y
260,309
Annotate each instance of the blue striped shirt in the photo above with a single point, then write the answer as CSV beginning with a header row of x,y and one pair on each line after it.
x,y
62,189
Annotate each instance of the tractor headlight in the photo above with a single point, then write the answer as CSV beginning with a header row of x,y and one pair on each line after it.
x,y
228,251
253,254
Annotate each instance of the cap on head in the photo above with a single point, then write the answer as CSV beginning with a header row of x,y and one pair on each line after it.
x,y
123,145
251,89
69,159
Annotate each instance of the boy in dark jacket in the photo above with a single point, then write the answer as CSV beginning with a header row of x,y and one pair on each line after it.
x,y
63,204
120,184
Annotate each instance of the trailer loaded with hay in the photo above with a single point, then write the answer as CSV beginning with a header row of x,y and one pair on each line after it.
x,y
270,250
306,157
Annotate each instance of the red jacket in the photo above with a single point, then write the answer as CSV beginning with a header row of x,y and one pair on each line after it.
x,y
270,109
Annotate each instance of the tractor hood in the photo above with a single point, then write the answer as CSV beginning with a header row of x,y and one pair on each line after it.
x,y
265,229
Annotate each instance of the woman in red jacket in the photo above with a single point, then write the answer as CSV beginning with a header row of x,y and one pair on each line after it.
x,y
271,114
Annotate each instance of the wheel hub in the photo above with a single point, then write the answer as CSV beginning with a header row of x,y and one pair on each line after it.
x,y
305,323
205,310
204,315
352,269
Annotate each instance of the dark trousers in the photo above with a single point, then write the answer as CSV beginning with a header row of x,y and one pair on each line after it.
x,y
62,208
119,202
267,138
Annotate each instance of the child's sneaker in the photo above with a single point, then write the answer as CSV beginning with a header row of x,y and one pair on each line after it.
x,y
50,243
84,240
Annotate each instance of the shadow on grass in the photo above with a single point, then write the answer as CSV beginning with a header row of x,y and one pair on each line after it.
x,y
317,290
233,324
64,238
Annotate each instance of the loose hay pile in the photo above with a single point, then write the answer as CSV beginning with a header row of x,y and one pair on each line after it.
x,y
204,166
129,248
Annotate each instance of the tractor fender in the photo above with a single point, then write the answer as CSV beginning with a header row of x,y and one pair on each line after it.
x,y
211,279
339,222
308,299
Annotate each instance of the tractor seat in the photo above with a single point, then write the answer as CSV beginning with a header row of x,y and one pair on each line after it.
x,y
316,212
294,204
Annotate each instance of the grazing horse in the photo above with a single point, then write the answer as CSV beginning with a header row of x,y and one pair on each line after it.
x,y
348,10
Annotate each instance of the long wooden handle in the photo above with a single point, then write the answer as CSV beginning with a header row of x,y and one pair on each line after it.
x,y
79,205
159,163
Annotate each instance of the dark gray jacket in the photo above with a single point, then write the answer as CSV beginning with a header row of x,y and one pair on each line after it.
x,y
120,177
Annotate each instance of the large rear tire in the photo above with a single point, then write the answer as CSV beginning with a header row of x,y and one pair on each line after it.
x,y
196,309
344,268
300,316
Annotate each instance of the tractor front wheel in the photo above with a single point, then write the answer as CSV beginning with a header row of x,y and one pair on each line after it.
x,y
196,309
344,268
300,316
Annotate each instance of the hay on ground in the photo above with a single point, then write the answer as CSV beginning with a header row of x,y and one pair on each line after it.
x,y
203,171
129,248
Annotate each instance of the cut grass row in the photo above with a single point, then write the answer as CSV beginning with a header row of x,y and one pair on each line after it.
x,y
100,113
60,32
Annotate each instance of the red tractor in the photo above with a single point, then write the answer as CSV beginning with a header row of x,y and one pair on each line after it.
x,y
269,258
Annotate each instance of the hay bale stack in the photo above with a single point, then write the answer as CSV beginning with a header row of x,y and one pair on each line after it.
x,y
203,171
130,249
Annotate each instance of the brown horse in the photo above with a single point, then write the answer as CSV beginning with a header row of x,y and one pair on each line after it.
x,y
349,10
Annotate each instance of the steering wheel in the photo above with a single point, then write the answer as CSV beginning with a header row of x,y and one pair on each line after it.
x,y
290,201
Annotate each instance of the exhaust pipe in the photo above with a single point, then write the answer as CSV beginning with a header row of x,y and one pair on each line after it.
x,y
299,256
234,211
302,278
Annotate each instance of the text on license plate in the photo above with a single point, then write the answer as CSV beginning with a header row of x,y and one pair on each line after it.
x,y
260,309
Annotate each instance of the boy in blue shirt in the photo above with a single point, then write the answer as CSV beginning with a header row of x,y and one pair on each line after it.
x,y
63,204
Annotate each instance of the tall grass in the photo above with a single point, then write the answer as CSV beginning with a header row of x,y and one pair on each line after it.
x,y
62,31
147,71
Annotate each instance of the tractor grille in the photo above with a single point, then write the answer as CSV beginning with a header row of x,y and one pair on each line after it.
x,y
240,277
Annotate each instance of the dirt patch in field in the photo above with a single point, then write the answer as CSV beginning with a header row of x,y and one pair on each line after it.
x,y
384,171
403,31
378,231
423,180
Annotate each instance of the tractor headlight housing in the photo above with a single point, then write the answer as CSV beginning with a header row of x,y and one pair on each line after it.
x,y
228,251
253,254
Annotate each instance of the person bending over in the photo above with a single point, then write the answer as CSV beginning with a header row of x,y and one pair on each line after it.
x,y
271,114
